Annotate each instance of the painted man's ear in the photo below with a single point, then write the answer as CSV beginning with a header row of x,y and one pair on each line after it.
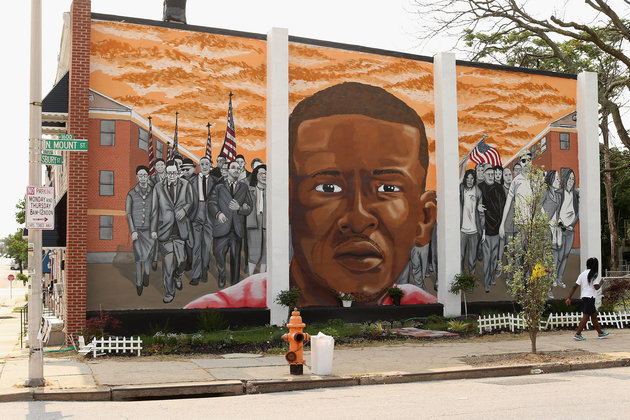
x,y
428,216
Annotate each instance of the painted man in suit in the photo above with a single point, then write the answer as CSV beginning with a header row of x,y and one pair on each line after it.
x,y
171,227
138,207
229,203
201,184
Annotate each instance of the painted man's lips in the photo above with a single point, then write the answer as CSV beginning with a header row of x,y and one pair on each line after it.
x,y
358,255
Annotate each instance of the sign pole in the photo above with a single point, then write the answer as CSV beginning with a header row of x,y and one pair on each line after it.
x,y
36,357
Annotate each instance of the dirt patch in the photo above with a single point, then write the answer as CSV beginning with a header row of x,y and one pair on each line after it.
x,y
519,359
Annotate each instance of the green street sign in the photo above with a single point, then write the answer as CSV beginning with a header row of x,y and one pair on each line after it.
x,y
51,159
71,145
65,136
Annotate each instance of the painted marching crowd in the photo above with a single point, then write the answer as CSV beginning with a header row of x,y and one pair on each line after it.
x,y
488,195
184,215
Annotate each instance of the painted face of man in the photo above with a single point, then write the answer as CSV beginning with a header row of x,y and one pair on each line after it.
x,y
357,203
480,169
489,176
518,169
241,163
204,166
171,174
159,166
507,176
143,178
526,162
234,170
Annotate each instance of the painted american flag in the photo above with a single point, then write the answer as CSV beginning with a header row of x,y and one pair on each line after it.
x,y
229,144
173,152
151,151
209,146
484,153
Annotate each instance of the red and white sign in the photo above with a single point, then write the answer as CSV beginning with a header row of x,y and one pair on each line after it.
x,y
40,208
11,277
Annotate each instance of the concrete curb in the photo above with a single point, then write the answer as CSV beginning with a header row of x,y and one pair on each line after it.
x,y
234,387
177,390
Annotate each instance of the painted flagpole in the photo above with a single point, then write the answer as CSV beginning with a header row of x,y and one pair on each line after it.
x,y
151,150
229,143
174,150
209,145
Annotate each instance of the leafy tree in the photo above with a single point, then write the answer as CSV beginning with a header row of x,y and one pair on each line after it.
x,y
20,215
519,38
17,248
529,256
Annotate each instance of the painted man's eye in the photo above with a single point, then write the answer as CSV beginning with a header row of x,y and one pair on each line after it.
x,y
328,188
388,188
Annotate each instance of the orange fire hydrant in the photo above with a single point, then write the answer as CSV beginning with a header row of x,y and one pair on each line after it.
x,y
296,338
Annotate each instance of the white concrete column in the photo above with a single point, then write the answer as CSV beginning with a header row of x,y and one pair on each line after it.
x,y
588,157
277,170
447,161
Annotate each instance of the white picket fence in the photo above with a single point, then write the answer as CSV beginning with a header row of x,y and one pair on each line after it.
x,y
100,346
487,323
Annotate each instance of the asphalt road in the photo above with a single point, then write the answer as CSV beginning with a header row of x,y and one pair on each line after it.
x,y
601,394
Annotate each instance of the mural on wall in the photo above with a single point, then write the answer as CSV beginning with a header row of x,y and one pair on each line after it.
x,y
522,120
194,225
189,229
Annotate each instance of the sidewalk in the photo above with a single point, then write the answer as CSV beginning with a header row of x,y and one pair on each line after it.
x,y
70,377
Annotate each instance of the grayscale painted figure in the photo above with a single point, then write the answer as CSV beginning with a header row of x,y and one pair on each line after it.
x,y
171,227
256,221
138,208
201,185
229,204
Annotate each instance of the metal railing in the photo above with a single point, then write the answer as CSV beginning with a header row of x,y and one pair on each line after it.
x,y
23,323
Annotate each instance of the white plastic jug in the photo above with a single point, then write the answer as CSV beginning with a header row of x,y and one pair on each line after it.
x,y
322,346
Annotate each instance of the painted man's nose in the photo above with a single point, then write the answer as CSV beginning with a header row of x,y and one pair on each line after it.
x,y
358,219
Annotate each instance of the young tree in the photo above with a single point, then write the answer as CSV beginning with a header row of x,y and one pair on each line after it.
x,y
529,256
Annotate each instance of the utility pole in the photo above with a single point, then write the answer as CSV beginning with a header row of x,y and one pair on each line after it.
x,y
36,357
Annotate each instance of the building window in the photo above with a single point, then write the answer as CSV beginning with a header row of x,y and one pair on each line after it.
x,y
564,141
108,133
106,228
534,151
106,183
159,149
143,139
543,144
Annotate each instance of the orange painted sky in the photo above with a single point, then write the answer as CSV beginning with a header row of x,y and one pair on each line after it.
x,y
511,108
158,71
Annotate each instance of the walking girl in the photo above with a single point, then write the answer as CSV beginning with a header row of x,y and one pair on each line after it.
x,y
589,284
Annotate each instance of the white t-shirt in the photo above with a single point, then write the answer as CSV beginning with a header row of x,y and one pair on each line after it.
x,y
586,289
469,221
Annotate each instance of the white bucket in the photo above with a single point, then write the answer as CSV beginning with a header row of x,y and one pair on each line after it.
x,y
322,346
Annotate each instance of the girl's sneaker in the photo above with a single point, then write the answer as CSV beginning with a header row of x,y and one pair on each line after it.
x,y
604,334
578,337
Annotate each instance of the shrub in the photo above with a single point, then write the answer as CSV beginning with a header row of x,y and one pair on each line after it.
x,y
289,298
102,325
330,331
211,320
